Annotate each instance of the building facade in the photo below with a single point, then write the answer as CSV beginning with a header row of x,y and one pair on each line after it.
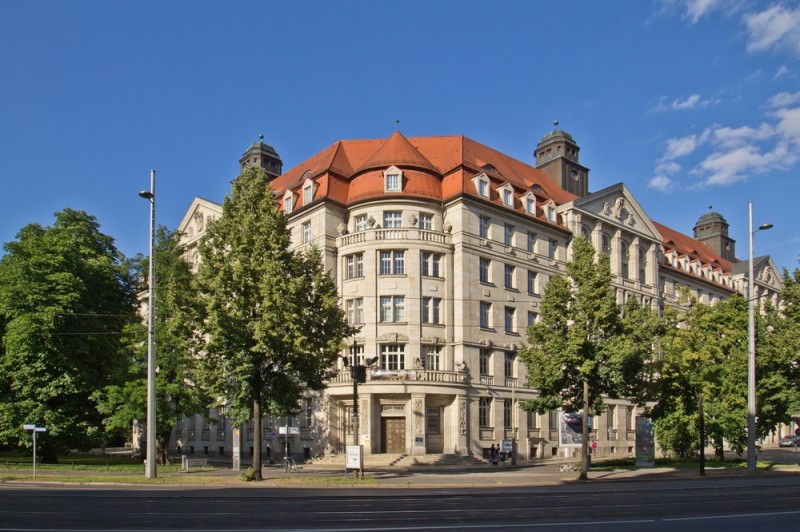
x,y
441,248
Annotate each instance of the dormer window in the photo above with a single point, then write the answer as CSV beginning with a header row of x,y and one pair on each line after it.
x,y
550,211
288,202
507,195
481,182
530,203
393,179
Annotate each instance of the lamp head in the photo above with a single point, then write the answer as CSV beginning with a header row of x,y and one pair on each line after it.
x,y
764,227
371,361
146,194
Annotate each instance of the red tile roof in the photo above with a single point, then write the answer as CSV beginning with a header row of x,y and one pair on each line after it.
x,y
687,246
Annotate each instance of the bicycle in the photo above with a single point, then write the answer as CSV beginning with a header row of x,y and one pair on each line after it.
x,y
289,465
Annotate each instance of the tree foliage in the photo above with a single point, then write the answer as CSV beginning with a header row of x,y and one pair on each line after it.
x,y
65,296
272,316
178,344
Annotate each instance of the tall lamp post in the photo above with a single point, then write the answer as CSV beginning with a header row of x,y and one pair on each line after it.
x,y
751,353
150,467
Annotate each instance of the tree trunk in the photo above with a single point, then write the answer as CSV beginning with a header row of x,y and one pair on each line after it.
x,y
702,427
585,435
257,440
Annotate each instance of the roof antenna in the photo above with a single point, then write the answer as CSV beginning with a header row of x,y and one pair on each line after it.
x,y
397,124
555,124
261,137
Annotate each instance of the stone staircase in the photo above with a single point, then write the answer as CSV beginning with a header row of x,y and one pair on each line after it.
x,y
434,461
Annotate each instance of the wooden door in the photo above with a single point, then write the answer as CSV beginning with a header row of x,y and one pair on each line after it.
x,y
393,435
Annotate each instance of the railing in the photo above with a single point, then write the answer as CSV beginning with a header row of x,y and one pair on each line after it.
x,y
511,382
393,234
487,380
376,375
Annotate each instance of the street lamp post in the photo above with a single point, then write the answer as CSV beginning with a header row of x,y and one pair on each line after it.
x,y
358,373
150,467
751,353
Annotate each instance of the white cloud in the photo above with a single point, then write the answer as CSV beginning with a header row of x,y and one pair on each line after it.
x,y
732,166
668,167
661,183
680,147
782,71
691,102
730,137
694,10
789,124
774,29
784,99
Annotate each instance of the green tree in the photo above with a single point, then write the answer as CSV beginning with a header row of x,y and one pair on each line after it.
x,y
178,345
272,316
703,373
65,296
569,351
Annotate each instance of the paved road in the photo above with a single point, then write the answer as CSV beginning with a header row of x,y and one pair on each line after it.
x,y
721,503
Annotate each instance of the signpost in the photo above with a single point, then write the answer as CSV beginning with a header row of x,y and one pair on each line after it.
x,y
354,460
34,429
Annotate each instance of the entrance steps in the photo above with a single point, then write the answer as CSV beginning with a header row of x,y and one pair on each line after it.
x,y
436,461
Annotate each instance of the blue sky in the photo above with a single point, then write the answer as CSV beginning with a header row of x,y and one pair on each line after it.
x,y
690,103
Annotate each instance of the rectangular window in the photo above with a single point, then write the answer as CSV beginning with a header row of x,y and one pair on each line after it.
x,y
430,357
361,223
485,361
354,266
392,182
288,203
426,221
484,227
508,318
485,411
508,364
485,315
354,308
392,219
433,423
306,232
483,188
431,263
430,309
531,242
393,262
483,270
308,195
507,414
508,276
531,282
358,351
530,206
508,197
552,248
508,235
393,309
532,317
393,356
309,411
533,420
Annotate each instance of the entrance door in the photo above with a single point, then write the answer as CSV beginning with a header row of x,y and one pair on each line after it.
x,y
393,435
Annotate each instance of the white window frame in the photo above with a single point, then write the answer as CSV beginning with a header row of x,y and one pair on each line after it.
x,y
507,195
392,219
393,356
354,266
431,357
360,223
354,308
306,230
529,201
393,179
391,262
392,309
426,221
484,227
485,315
481,182
432,310
431,264
288,202
309,188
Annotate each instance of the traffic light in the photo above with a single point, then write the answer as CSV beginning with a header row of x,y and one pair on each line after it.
x,y
361,373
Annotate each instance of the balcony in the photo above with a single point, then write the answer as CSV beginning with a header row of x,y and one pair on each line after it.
x,y
424,375
374,235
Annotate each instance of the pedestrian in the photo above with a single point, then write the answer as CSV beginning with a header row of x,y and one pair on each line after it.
x,y
493,455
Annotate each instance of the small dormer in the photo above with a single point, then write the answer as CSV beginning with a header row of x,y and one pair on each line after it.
x,y
549,211
288,202
529,203
393,179
506,193
481,183
309,190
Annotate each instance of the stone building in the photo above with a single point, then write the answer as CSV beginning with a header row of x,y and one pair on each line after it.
x,y
441,248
